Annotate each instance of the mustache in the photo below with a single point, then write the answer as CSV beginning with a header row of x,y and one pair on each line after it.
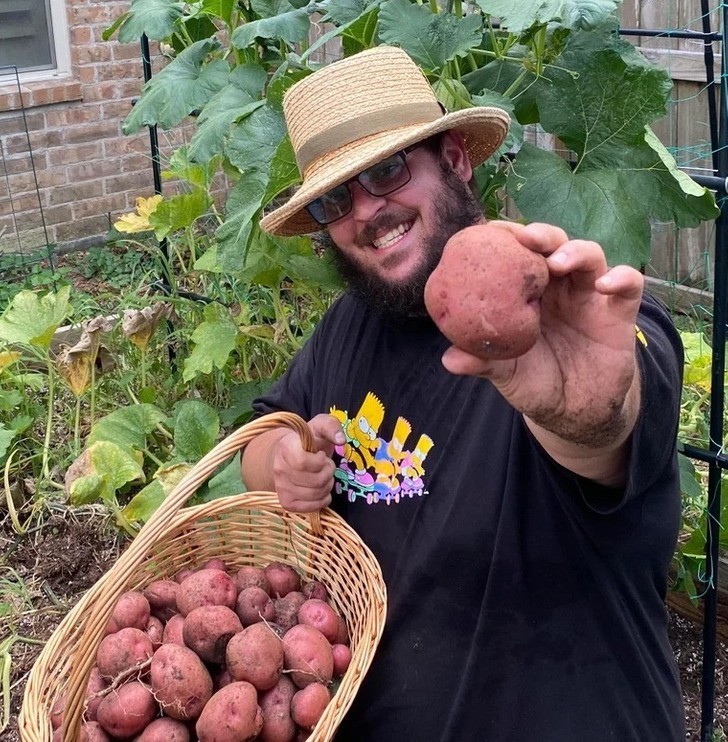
x,y
385,221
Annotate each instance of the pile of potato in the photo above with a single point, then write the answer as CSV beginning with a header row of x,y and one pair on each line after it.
x,y
215,656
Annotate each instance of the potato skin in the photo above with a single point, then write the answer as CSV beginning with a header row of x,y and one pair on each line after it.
x,y
231,715
278,726
253,605
283,579
181,683
162,598
287,609
206,587
307,654
255,655
308,704
131,611
173,630
483,295
121,651
342,659
128,710
208,629
321,616
165,730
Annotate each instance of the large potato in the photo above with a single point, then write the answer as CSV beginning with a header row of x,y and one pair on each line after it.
x,y
485,293
131,611
121,651
251,577
180,681
208,629
127,710
254,604
308,656
308,704
206,587
255,655
321,616
231,715
162,598
165,730
283,579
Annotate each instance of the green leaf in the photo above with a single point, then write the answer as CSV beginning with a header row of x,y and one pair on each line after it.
x,y
179,212
283,171
226,483
128,427
196,429
621,179
186,84
281,81
514,138
155,18
577,14
689,480
214,340
240,408
430,39
343,12
32,319
361,33
292,27
221,9
113,28
6,438
142,506
181,167
110,468
239,98
254,141
243,203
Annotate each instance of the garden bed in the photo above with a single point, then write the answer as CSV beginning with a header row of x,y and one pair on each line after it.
x,y
45,571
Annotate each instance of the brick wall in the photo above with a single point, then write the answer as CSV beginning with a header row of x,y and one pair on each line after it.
x,y
87,171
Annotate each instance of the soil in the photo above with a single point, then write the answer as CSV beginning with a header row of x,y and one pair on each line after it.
x,y
45,571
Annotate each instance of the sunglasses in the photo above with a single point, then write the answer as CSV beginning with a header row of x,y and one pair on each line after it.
x,y
378,180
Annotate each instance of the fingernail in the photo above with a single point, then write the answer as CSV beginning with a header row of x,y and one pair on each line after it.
x,y
559,258
340,439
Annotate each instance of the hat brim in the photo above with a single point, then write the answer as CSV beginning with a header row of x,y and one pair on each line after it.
x,y
483,129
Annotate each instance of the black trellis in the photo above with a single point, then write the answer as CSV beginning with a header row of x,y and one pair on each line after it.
x,y
714,456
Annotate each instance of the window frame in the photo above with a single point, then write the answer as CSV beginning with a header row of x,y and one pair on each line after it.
x,y
59,37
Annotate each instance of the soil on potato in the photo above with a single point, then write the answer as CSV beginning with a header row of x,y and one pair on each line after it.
x,y
45,571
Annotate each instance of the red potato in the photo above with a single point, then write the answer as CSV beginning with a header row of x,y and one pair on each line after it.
x,y
182,575
321,616
121,651
315,589
251,577
255,655
275,704
180,681
342,659
283,579
307,655
162,598
94,686
208,629
58,711
173,633
254,605
485,293
91,731
131,611
287,609
165,730
127,710
215,564
155,631
231,715
342,635
221,678
308,704
206,587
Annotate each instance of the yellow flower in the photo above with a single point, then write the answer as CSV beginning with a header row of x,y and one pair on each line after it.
x,y
138,221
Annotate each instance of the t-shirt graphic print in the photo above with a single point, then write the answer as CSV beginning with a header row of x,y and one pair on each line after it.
x,y
374,468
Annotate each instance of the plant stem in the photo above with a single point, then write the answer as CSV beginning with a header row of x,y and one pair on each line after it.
x,y
45,474
516,84
458,8
144,368
92,396
434,8
77,428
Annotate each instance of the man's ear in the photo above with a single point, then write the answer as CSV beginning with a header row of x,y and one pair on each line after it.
x,y
454,154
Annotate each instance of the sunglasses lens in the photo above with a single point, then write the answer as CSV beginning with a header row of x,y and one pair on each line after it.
x,y
386,176
331,206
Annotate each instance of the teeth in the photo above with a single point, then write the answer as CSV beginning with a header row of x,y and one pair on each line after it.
x,y
391,237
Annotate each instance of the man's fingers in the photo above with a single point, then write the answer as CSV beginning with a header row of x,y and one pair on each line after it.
x,y
623,281
583,261
457,361
327,433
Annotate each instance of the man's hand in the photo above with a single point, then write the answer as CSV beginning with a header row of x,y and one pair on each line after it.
x,y
304,480
579,382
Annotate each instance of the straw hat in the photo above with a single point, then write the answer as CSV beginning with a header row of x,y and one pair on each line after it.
x,y
353,113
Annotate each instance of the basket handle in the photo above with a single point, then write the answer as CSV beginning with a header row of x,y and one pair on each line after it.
x,y
135,554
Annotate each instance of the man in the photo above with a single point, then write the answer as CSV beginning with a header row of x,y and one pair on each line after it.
x,y
524,512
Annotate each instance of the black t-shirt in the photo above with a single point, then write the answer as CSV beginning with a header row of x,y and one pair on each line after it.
x,y
524,603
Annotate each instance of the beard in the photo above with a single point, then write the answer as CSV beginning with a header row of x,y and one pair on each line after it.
x,y
455,208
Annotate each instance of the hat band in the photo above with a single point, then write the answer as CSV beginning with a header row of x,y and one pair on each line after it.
x,y
375,122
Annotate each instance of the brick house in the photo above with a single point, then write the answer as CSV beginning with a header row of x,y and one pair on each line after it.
x,y
66,170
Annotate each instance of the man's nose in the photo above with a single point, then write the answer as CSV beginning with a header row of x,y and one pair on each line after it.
x,y
363,205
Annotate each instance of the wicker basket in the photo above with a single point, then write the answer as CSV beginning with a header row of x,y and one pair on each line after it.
x,y
247,529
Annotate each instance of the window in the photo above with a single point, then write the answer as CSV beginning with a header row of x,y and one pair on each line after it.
x,y
33,38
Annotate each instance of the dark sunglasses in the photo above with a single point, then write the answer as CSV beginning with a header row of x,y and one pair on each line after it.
x,y
378,180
